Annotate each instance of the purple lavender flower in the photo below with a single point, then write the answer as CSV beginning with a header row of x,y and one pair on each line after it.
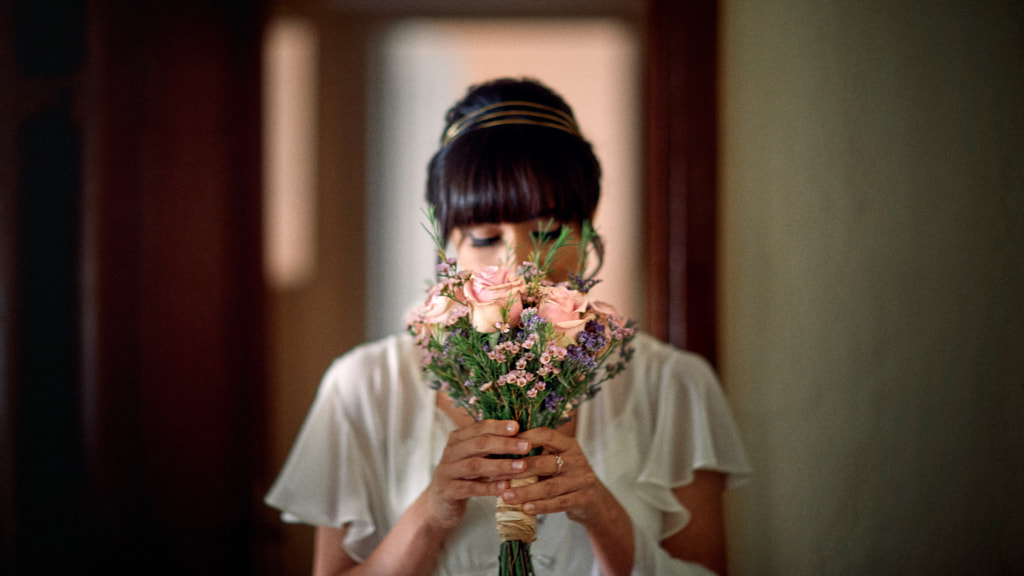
x,y
581,284
449,344
579,357
534,322
592,341
552,401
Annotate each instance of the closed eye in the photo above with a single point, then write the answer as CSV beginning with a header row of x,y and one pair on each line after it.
x,y
546,236
484,242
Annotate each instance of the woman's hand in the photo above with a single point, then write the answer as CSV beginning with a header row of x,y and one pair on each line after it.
x,y
571,487
466,471
412,545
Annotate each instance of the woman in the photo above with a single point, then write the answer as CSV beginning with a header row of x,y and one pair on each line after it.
x,y
392,472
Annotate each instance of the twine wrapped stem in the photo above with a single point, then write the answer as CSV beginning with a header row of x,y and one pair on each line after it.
x,y
513,523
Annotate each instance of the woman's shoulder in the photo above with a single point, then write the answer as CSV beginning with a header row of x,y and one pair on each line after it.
x,y
374,370
679,407
661,374
657,360
386,352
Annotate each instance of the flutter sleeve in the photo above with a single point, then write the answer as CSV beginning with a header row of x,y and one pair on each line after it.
x,y
329,475
692,429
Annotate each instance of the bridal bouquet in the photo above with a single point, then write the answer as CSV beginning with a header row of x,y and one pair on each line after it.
x,y
505,343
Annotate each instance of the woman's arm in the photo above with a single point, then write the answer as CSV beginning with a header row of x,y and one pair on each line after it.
x,y
411,546
702,540
329,555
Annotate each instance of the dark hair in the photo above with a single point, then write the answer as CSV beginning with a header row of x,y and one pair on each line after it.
x,y
512,172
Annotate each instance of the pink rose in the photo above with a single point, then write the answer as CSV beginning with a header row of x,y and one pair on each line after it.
x,y
604,309
439,309
492,291
564,308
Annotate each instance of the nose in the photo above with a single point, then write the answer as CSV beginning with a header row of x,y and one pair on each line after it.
x,y
520,241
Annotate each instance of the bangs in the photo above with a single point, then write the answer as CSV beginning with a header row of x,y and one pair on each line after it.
x,y
513,174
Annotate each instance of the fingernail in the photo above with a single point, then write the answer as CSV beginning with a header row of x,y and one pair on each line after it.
x,y
502,485
523,446
529,508
518,464
511,426
508,496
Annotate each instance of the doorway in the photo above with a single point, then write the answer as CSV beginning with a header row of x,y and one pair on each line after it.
x,y
422,66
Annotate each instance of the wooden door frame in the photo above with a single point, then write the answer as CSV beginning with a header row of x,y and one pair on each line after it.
x,y
680,173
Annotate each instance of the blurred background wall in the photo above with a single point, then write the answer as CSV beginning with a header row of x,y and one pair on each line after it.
x,y
872,318
132,328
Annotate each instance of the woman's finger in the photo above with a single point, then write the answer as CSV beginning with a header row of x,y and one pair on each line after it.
x,y
483,438
545,465
574,496
455,490
483,445
485,468
550,487
485,427
552,440
570,502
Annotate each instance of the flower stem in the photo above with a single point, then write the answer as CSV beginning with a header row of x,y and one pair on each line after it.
x,y
514,559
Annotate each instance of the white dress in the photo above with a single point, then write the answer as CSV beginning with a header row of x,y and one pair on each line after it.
x,y
373,437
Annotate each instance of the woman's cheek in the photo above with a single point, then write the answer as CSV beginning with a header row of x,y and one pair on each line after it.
x,y
473,259
566,262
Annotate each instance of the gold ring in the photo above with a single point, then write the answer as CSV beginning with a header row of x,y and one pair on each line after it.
x,y
558,460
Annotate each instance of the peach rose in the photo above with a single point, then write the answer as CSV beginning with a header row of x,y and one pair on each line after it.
x,y
564,308
491,291
439,308
604,309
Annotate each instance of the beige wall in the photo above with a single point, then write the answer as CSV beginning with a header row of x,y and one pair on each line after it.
x,y
313,322
873,284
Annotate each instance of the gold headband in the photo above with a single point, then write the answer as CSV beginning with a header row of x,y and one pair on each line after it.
x,y
483,118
